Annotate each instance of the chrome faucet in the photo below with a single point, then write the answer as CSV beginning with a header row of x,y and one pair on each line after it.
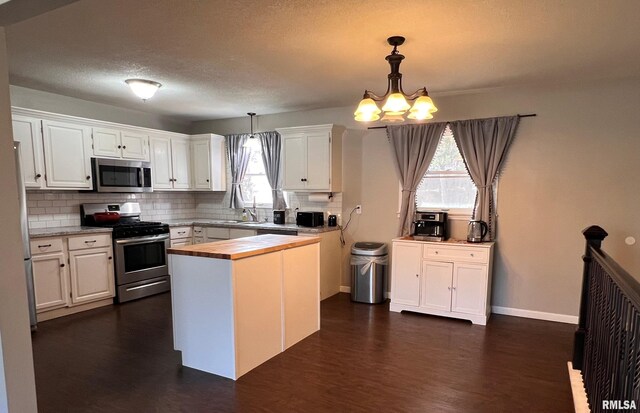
x,y
253,212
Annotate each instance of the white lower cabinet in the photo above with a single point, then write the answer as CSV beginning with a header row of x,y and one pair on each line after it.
x,y
445,279
91,274
50,281
70,272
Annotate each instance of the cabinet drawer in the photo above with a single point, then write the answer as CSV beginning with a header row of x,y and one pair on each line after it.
x,y
180,232
467,254
45,245
220,233
198,232
89,241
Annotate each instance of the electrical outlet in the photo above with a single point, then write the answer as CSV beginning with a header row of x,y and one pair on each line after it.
x,y
358,209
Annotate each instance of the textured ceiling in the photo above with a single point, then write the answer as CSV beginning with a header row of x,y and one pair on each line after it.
x,y
220,59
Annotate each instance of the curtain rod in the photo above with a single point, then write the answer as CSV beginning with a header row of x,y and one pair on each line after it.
x,y
529,115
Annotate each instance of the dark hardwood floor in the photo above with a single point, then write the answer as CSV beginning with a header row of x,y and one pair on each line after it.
x,y
364,359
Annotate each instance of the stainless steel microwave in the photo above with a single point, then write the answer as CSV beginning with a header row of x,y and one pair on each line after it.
x,y
116,175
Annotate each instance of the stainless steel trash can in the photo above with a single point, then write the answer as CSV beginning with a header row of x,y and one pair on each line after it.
x,y
368,272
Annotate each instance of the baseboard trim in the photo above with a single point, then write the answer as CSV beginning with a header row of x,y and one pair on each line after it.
x,y
347,289
538,315
580,403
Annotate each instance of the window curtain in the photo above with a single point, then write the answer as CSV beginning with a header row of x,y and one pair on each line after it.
x,y
238,161
413,147
483,144
271,146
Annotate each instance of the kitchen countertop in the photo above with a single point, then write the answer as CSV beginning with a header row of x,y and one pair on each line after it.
x,y
245,225
64,231
243,247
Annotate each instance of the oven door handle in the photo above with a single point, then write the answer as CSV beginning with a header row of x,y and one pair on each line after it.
x,y
142,240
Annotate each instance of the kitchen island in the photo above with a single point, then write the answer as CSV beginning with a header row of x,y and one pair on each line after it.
x,y
238,303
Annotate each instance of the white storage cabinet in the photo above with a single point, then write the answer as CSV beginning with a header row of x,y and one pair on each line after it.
x,y
445,279
312,158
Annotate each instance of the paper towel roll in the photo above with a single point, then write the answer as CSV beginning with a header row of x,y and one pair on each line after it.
x,y
319,197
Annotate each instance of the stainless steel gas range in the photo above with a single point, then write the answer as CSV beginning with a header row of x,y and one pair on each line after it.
x,y
140,249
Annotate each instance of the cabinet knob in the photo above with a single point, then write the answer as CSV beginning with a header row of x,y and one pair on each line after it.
x,y
119,146
61,265
436,252
453,288
207,180
417,275
110,258
472,255
88,177
124,147
449,288
38,176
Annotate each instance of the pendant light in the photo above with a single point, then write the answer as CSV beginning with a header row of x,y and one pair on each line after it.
x,y
252,142
395,99
144,89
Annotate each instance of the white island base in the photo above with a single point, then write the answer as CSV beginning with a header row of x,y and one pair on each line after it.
x,y
232,314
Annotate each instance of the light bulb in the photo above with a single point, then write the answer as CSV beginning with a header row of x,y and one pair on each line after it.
x,y
396,103
252,143
419,115
367,111
424,104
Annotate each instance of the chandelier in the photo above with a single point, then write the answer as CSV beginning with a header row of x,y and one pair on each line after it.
x,y
395,105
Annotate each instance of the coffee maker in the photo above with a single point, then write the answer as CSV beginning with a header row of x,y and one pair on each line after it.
x,y
430,226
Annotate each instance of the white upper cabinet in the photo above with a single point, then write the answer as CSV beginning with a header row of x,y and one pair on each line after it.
x,y
135,145
161,163
208,161
120,144
26,130
312,158
170,163
180,163
67,149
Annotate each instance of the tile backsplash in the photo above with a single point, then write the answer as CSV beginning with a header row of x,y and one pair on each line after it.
x,y
48,209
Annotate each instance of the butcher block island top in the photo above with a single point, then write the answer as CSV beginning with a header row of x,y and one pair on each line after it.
x,y
237,303
238,248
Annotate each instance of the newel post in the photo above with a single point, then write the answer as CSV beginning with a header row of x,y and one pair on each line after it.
x,y
594,236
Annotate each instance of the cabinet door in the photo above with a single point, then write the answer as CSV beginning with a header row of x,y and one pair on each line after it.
x,y
106,143
436,285
181,242
201,164
469,288
318,161
91,275
161,163
27,131
294,150
180,164
241,233
67,147
134,145
50,281
406,273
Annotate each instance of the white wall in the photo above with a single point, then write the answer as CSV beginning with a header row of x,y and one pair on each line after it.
x,y
51,102
14,313
573,165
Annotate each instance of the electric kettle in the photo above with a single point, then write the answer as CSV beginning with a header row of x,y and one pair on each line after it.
x,y
477,231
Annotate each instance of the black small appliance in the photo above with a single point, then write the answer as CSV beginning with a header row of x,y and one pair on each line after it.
x,y
278,216
332,221
309,219
430,226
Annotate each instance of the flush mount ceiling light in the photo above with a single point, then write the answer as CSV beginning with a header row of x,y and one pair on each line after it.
x,y
395,105
144,89
252,142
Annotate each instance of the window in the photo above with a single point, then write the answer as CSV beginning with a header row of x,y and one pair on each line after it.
x,y
447,185
255,185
